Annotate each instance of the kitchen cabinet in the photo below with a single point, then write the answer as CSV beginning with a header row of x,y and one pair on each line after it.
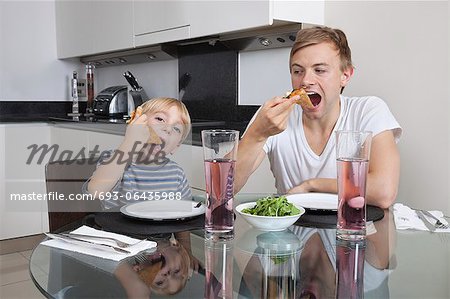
x,y
22,175
22,182
76,141
160,21
164,21
215,17
91,27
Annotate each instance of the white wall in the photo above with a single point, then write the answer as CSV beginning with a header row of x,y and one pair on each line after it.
x,y
29,69
401,53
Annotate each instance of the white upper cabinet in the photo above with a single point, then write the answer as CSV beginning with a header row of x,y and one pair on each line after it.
x,y
112,25
216,17
160,21
73,21
91,27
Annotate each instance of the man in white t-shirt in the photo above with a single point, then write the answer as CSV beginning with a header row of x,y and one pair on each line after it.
x,y
300,142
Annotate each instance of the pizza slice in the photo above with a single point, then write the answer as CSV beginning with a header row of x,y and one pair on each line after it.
x,y
304,100
154,138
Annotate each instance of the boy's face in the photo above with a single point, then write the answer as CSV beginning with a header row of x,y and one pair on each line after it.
x,y
173,274
169,127
317,68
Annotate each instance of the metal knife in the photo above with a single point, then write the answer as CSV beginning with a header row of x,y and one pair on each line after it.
x,y
77,241
430,226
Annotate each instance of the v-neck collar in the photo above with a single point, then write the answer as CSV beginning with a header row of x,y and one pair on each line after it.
x,y
331,140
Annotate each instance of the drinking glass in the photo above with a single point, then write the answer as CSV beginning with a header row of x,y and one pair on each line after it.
x,y
220,152
352,154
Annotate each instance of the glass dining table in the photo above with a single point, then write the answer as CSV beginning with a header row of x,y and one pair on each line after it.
x,y
303,261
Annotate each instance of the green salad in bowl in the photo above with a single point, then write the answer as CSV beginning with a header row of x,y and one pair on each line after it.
x,y
273,206
270,213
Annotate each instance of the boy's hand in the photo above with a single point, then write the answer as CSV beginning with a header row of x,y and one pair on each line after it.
x,y
137,133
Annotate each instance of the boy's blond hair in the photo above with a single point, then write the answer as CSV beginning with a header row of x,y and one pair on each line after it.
x,y
162,104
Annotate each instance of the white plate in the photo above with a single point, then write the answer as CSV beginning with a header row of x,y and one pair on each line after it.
x,y
315,201
163,209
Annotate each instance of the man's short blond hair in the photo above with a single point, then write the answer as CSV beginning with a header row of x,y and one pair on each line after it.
x,y
163,104
315,35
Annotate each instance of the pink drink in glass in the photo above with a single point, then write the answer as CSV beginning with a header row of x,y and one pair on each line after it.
x,y
351,218
219,176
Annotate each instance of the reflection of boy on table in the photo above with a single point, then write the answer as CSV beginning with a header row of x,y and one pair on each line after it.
x,y
164,271
140,169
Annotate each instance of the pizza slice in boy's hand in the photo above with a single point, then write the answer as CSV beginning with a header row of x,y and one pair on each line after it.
x,y
154,138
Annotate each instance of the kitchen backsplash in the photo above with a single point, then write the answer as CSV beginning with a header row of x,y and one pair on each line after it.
x,y
211,90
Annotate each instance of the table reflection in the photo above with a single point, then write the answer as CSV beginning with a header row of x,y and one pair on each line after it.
x,y
301,262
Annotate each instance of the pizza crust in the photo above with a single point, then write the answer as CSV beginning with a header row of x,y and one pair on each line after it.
x,y
304,100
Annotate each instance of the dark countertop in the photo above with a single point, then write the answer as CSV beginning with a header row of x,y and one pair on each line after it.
x,y
26,118
118,128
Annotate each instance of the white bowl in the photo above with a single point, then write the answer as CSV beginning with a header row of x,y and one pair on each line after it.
x,y
268,223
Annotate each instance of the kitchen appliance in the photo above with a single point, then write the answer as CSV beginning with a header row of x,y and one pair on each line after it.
x,y
113,102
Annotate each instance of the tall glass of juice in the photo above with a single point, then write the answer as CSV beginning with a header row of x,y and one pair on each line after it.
x,y
220,152
352,154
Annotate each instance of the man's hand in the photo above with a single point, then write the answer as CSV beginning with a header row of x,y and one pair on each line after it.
x,y
272,118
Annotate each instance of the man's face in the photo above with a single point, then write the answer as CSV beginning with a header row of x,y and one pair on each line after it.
x,y
317,68
169,127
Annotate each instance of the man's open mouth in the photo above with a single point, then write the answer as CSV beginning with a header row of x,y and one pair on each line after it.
x,y
315,98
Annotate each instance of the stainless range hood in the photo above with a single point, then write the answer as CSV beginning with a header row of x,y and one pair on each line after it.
x,y
249,40
138,55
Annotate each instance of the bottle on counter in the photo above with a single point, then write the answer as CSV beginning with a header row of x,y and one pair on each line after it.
x,y
90,88
74,94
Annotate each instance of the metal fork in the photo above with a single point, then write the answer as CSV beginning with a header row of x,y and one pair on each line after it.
x,y
118,242
438,223
70,239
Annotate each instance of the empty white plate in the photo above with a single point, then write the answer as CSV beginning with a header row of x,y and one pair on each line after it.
x,y
315,201
163,209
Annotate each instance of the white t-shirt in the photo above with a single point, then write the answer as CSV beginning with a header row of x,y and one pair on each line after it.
x,y
292,161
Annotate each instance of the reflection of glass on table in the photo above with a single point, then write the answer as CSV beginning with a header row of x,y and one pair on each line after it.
x,y
218,269
350,268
